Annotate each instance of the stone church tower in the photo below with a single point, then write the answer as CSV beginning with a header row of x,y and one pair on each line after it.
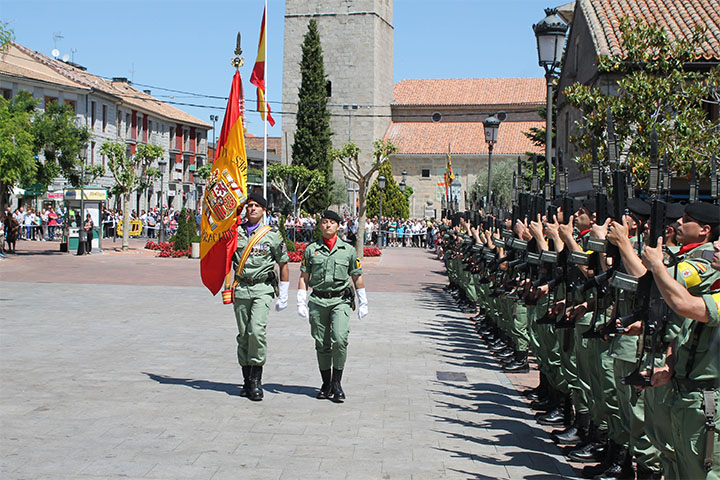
x,y
357,44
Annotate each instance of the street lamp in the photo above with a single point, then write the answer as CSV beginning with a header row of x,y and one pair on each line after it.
x,y
162,163
214,118
381,186
550,35
491,125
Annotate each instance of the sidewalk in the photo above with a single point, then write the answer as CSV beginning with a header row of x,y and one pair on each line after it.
x,y
108,379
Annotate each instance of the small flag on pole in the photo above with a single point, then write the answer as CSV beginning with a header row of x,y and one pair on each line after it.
x,y
258,77
225,194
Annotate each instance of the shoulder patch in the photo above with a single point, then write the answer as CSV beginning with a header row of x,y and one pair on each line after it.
x,y
690,273
357,263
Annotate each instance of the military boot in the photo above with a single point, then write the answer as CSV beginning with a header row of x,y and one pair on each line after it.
x,y
537,392
621,466
246,381
555,416
593,450
591,472
256,392
338,396
520,365
576,433
326,388
547,402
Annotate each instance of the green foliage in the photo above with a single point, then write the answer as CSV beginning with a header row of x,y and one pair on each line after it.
x,y
338,195
61,142
6,36
502,178
317,231
17,153
131,173
205,171
289,244
296,179
394,203
655,91
185,232
311,146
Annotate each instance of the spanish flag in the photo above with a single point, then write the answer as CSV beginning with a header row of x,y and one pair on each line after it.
x,y
258,77
225,194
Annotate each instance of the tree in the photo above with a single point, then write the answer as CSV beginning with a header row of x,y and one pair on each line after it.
x,y
347,157
295,180
61,142
655,92
6,36
311,146
131,174
17,152
394,203
502,178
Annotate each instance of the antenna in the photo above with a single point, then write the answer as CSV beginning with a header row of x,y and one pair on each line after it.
x,y
73,51
57,36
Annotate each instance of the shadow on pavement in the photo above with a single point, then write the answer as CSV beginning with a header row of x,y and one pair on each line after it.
x,y
293,389
229,388
502,422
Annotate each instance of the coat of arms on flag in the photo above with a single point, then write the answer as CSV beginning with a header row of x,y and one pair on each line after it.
x,y
223,197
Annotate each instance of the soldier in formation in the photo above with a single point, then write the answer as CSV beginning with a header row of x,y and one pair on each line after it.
x,y
617,297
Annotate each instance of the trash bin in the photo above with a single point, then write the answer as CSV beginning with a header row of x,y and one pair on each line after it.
x,y
73,238
82,242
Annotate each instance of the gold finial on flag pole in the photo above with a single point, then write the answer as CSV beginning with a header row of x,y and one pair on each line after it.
x,y
238,61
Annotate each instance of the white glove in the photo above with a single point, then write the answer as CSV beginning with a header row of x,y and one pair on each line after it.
x,y
362,303
282,296
302,308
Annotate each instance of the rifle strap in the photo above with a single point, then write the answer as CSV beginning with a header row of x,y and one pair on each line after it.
x,y
710,410
261,232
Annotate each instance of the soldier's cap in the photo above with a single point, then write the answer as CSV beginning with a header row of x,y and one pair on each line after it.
x,y
673,211
589,204
257,198
704,212
639,207
330,215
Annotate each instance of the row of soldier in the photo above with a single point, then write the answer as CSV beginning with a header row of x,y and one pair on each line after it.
x,y
618,300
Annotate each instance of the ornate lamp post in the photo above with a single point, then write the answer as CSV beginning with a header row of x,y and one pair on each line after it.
x,y
381,186
550,35
491,125
162,163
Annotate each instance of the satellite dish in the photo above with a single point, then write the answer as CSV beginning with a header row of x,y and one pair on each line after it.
x,y
65,57
55,52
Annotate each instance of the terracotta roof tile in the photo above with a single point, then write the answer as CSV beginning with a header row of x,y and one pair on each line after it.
x,y
69,75
463,137
17,62
470,91
678,17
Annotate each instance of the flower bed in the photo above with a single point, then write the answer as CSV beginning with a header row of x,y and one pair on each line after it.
x,y
167,249
297,255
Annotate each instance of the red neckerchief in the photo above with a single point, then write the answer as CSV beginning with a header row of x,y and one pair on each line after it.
x,y
688,247
582,234
330,242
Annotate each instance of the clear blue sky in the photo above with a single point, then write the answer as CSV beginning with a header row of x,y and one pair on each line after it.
x,y
187,45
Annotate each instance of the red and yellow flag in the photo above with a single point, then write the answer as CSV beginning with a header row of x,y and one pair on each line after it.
x,y
225,194
258,77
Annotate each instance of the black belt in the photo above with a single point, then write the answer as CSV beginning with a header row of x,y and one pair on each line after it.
x,y
686,385
320,294
247,281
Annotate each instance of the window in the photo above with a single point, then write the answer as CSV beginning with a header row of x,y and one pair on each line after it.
x,y
49,100
119,122
425,173
172,138
72,104
104,118
92,115
139,127
186,140
150,130
198,139
328,88
127,124
6,93
92,153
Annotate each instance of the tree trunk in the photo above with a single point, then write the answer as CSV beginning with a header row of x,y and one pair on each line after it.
x,y
126,222
360,240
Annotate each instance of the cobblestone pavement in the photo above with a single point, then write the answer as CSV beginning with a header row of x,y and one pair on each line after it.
x,y
122,366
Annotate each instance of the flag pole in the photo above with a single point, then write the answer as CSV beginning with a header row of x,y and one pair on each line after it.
x,y
266,109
